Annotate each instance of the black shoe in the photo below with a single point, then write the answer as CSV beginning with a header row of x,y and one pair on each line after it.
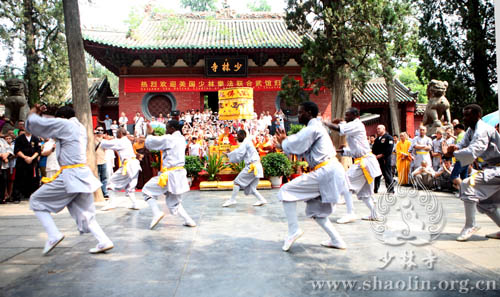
x,y
106,196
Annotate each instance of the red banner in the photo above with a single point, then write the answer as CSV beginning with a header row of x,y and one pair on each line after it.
x,y
189,84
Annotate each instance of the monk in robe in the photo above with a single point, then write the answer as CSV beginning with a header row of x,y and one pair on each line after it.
x,y
403,158
145,158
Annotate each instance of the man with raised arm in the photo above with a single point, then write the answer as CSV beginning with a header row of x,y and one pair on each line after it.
x,y
172,180
320,188
72,186
125,178
365,168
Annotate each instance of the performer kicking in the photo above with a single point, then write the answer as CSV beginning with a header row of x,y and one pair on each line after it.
x,y
249,177
171,181
365,168
126,176
482,189
320,188
72,186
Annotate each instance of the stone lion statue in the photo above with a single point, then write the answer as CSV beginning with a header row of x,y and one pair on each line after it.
x,y
438,107
16,105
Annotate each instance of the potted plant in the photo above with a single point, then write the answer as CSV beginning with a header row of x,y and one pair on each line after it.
x,y
298,167
294,128
275,166
214,165
193,167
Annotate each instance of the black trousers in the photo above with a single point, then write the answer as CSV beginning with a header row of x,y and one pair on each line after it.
x,y
3,183
385,166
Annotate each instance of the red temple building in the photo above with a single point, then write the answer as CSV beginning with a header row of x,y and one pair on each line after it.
x,y
179,62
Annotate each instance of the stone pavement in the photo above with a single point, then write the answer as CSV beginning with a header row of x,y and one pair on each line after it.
x,y
237,252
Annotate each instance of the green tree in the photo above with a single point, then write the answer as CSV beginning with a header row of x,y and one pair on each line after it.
x,y
458,45
408,76
96,70
396,38
339,37
36,30
199,5
262,5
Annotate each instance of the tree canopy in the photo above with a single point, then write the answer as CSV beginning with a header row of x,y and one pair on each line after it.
x,y
261,5
199,5
35,29
457,44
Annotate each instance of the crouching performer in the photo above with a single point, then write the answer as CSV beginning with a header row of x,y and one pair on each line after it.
x,y
320,188
172,180
248,178
72,186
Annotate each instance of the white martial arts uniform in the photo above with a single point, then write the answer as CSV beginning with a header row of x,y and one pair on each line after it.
x,y
322,187
173,147
437,148
246,152
481,143
359,149
420,155
118,180
73,187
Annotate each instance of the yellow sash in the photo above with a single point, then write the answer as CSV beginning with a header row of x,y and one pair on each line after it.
x,y
362,164
253,168
124,171
162,181
472,179
422,153
321,164
49,179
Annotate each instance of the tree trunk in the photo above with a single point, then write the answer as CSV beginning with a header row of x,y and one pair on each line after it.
x,y
393,106
79,86
341,101
31,73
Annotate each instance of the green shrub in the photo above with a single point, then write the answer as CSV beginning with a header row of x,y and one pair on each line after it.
x,y
294,128
159,131
237,167
276,164
193,165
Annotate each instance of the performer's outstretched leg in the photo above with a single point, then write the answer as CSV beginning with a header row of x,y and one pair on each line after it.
x,y
55,236
174,205
104,243
336,240
157,213
350,216
470,221
256,193
293,224
131,197
232,200
371,206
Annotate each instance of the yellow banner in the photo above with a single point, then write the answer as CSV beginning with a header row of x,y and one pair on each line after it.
x,y
236,104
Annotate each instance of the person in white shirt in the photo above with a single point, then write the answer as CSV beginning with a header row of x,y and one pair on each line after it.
x,y
48,150
138,125
423,176
123,120
114,128
194,147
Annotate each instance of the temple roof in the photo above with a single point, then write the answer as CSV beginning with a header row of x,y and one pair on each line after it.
x,y
375,91
200,32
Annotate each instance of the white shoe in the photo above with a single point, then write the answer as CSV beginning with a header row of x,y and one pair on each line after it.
x,y
369,218
467,233
289,240
189,223
101,248
133,206
260,203
51,244
338,245
228,203
156,220
348,218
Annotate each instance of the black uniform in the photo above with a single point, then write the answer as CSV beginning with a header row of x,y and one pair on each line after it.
x,y
27,177
383,145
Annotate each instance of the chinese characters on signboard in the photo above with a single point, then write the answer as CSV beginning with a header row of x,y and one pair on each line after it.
x,y
190,84
220,66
